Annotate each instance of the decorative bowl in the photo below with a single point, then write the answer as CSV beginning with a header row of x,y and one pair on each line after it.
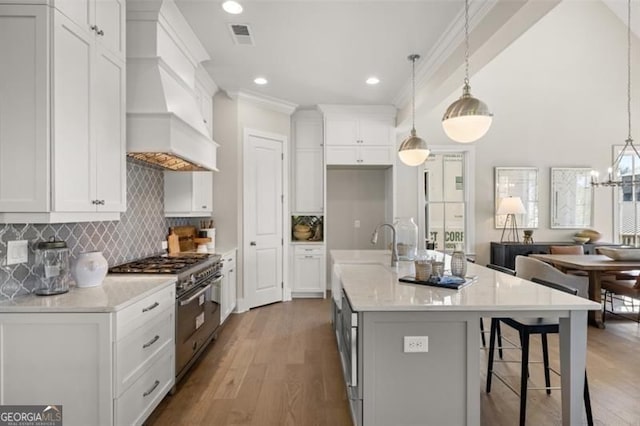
x,y
592,234
302,235
581,240
621,254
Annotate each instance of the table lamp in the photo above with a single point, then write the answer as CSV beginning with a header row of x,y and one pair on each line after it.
x,y
511,206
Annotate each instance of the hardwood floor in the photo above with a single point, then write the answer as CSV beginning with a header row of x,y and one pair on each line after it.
x,y
279,365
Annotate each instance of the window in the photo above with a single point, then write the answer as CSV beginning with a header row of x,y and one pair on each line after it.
x,y
626,208
445,196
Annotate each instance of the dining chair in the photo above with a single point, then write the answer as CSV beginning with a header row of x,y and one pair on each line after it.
x,y
527,327
574,249
613,288
528,267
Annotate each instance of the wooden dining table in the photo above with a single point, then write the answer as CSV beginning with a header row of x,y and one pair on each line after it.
x,y
596,265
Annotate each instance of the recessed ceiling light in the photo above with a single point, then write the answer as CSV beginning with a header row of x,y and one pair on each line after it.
x,y
373,80
260,80
232,7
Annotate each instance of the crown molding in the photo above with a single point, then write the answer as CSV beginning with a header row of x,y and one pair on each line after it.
x,y
268,102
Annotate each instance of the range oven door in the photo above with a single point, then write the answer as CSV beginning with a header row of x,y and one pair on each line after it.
x,y
197,318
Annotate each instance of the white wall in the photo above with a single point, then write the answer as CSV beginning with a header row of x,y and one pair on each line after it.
x,y
231,117
355,194
558,95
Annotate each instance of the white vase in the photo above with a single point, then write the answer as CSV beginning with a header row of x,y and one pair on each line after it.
x,y
90,269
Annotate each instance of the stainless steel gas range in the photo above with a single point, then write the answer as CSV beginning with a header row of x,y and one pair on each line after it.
x,y
197,299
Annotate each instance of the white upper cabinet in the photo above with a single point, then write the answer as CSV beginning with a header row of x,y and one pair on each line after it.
x,y
102,18
359,135
308,168
188,194
71,155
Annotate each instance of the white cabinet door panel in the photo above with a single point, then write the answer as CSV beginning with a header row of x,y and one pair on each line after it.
x,y
376,155
108,127
375,131
308,134
202,192
110,22
23,109
74,162
342,155
78,11
308,180
341,132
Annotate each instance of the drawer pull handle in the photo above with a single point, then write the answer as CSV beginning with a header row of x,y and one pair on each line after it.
x,y
148,308
155,385
150,342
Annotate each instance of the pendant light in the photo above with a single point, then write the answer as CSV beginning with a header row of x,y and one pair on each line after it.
x,y
413,150
614,178
467,119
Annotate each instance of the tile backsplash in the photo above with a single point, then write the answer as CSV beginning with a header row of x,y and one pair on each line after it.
x,y
137,234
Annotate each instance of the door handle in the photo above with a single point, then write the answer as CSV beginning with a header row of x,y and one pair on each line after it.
x,y
252,243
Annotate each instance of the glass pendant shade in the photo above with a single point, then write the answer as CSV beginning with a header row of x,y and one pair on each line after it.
x,y
413,150
467,119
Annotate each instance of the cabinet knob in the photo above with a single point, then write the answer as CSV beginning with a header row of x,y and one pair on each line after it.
x,y
100,32
252,243
93,27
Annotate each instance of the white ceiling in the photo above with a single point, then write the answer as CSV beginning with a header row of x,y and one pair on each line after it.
x,y
321,51
315,52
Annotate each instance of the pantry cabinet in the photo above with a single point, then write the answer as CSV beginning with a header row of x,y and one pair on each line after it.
x,y
308,159
66,103
188,194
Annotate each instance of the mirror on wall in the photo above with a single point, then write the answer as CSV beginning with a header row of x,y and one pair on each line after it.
x,y
517,182
571,198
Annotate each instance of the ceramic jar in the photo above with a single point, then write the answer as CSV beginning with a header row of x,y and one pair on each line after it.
x,y
90,269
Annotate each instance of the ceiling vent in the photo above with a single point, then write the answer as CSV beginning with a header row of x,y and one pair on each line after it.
x,y
241,34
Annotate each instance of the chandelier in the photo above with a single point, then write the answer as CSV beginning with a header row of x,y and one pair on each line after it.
x,y
614,177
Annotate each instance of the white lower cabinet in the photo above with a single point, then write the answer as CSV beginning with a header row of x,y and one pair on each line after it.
x,y
104,368
228,285
309,271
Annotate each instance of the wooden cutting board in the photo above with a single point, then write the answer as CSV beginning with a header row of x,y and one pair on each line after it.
x,y
186,236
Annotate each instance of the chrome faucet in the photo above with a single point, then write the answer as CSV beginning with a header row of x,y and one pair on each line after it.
x,y
394,250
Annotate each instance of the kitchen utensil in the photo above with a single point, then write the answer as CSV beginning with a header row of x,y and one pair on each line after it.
x,y
186,236
52,267
173,243
90,269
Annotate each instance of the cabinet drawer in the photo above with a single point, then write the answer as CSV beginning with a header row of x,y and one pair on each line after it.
x,y
144,311
133,407
309,251
141,347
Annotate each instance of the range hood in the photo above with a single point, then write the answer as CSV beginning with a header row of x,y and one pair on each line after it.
x,y
165,126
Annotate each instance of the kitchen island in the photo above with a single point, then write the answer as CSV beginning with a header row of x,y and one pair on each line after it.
x,y
388,385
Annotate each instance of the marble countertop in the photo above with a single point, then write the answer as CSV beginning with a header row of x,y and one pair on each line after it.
x,y
372,285
115,293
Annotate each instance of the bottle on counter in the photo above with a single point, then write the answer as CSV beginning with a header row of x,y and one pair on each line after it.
x,y
407,238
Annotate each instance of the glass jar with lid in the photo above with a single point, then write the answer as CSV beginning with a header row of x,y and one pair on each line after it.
x,y
407,238
52,267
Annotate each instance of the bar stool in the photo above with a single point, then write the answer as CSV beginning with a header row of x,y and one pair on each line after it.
x,y
482,330
526,327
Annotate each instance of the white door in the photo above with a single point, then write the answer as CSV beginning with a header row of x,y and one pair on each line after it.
x,y
263,238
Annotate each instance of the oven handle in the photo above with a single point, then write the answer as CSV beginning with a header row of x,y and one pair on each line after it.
x,y
195,296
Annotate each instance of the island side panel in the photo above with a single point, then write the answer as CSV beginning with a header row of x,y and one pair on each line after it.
x,y
440,386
